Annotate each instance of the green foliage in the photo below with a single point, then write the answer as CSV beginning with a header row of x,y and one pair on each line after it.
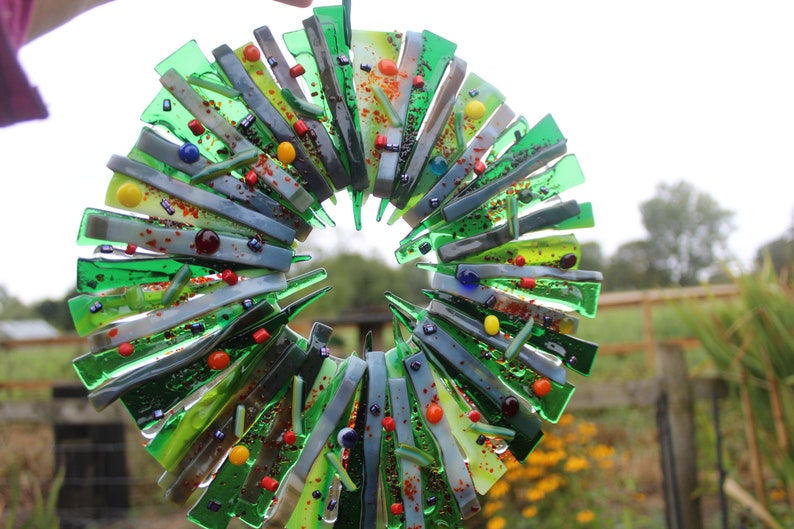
x,y
633,268
687,231
56,312
751,343
359,283
780,253
43,512
592,256
12,308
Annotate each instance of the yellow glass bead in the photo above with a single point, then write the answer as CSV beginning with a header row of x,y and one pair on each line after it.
x,y
475,109
239,455
129,195
491,325
286,152
566,326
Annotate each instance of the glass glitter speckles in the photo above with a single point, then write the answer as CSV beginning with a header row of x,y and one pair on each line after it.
x,y
187,301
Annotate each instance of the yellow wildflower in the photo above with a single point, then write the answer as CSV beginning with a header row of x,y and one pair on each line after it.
x,y
566,419
497,522
606,464
553,442
602,451
529,512
588,429
777,494
492,507
575,464
499,490
534,473
585,516
534,495
550,483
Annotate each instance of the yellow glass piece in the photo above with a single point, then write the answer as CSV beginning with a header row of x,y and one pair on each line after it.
x,y
286,152
475,109
491,325
566,326
129,195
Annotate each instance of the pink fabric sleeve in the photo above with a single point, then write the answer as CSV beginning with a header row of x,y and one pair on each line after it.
x,y
18,100
15,17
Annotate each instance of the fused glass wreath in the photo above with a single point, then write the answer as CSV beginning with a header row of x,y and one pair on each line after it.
x,y
183,301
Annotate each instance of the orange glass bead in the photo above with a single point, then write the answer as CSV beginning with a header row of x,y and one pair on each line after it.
x,y
387,67
239,455
218,360
541,387
251,53
434,413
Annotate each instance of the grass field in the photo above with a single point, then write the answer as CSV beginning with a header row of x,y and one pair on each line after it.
x,y
626,493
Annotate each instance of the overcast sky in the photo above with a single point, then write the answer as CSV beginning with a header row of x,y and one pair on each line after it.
x,y
645,93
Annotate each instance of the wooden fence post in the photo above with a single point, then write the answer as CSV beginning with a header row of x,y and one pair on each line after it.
x,y
676,392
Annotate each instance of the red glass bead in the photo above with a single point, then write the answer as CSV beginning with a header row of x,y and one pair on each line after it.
x,y
300,128
568,261
130,249
510,406
520,261
229,277
528,282
474,416
389,424
207,242
541,387
261,335
218,360
380,142
251,178
126,349
289,437
269,484
419,82
195,127
479,168
297,70
396,509
251,53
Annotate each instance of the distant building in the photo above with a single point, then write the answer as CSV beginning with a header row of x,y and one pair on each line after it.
x,y
26,330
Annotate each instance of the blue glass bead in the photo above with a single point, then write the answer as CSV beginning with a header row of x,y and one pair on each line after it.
x,y
438,165
468,277
347,437
189,153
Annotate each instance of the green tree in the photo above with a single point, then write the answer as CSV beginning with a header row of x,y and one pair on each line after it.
x,y
592,257
631,267
687,231
56,312
780,253
11,308
359,283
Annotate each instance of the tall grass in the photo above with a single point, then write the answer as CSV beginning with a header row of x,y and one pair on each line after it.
x,y
751,342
